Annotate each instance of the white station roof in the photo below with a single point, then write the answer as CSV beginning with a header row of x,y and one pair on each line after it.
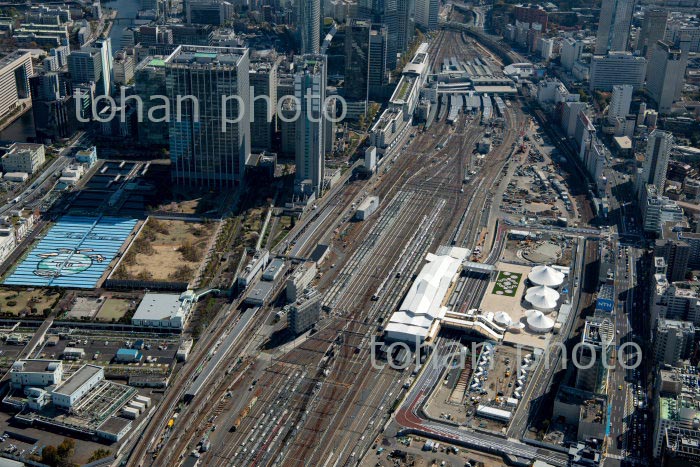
x,y
538,322
542,297
546,275
423,303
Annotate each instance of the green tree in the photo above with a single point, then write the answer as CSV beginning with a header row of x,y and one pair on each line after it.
x,y
99,454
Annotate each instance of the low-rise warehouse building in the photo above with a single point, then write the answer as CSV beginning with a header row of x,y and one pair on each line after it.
x,y
36,373
114,429
74,388
162,310
367,208
128,356
272,272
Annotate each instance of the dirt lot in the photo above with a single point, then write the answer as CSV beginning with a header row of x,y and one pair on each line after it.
x,y
167,250
31,301
193,202
113,308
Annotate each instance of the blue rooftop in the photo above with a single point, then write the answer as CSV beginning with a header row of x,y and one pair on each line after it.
x,y
75,252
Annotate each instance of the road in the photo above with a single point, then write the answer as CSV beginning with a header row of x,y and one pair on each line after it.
x,y
627,387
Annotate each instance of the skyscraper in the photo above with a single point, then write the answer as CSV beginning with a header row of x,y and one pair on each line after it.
x,y
617,68
389,16
104,46
614,25
377,74
263,80
52,106
666,74
206,148
653,30
427,13
310,93
308,16
659,147
149,80
406,24
620,102
357,61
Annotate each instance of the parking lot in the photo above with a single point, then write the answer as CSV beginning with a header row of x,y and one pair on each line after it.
x,y
101,350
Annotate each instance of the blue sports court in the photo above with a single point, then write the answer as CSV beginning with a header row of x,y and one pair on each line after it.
x,y
74,253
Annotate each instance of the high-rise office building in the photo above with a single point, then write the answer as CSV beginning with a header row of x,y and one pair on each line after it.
x,y
52,106
377,74
655,166
617,68
527,13
620,102
310,93
149,80
263,81
685,28
673,341
570,52
388,15
308,22
406,24
104,46
85,66
207,148
614,26
653,30
15,70
666,74
397,17
214,12
598,341
676,254
427,12
357,62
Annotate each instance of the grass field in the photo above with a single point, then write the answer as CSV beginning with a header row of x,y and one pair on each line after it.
x,y
113,308
24,301
167,250
507,283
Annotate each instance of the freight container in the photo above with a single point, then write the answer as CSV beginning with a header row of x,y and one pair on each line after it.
x,y
131,414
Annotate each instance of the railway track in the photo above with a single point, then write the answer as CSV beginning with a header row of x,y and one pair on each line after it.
x,y
316,400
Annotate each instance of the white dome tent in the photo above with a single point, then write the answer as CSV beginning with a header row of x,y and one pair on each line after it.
x,y
542,298
538,323
546,275
502,319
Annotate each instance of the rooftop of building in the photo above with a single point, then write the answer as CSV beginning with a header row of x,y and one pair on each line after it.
x,y
592,403
12,56
682,441
159,306
598,331
114,425
206,55
77,379
663,323
36,365
686,289
686,404
22,147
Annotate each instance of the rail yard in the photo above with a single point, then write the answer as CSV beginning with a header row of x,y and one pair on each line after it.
x,y
323,398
